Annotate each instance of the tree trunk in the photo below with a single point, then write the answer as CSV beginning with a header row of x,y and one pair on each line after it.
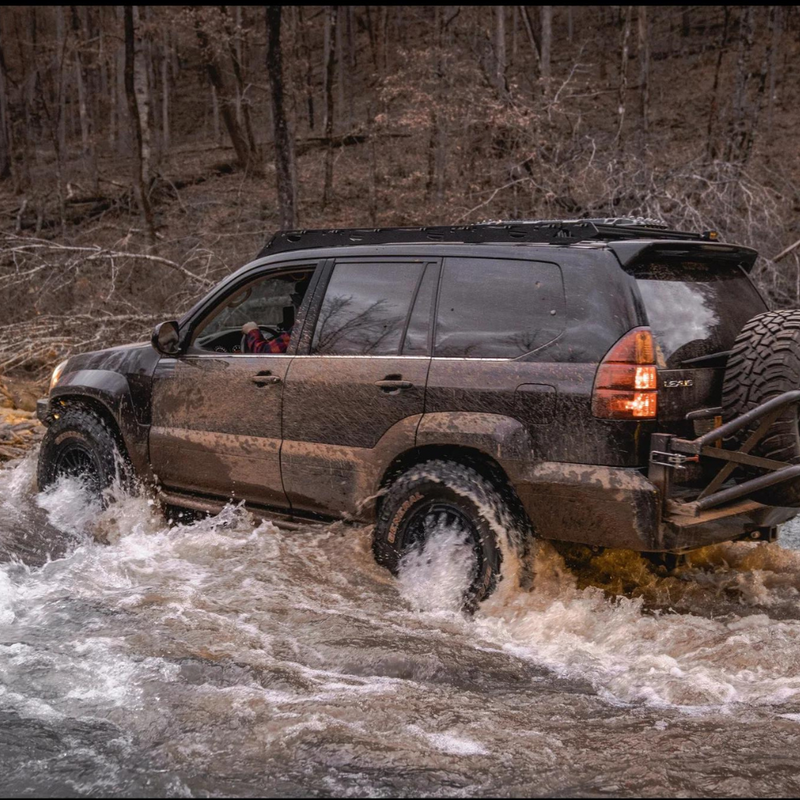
x,y
242,106
5,126
309,68
341,65
284,142
330,38
737,127
500,48
61,77
777,31
644,74
165,79
82,81
712,146
141,85
245,157
547,39
623,73
140,187
532,36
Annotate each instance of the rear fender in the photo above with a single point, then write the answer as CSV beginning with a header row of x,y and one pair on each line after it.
x,y
504,439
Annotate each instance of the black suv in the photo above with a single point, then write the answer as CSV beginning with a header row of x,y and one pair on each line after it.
x,y
605,382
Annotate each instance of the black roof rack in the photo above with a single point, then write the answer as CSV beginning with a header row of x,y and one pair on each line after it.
x,y
498,232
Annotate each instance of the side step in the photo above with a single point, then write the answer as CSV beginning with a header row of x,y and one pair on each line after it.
x,y
211,506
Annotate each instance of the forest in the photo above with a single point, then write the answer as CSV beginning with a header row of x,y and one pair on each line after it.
x,y
147,151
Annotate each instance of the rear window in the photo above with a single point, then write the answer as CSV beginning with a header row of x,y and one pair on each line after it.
x,y
696,308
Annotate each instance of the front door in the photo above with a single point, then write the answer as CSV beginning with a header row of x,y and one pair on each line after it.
x,y
217,409
355,398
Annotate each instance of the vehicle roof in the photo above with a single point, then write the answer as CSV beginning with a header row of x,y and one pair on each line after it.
x,y
622,253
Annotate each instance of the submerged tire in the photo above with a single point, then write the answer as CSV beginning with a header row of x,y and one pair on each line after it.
x,y
443,492
765,362
79,443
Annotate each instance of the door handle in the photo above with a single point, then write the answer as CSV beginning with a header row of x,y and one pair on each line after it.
x,y
389,385
265,378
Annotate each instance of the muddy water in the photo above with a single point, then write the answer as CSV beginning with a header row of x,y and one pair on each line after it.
x,y
227,657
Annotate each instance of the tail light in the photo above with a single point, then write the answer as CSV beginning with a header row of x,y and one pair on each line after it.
x,y
626,384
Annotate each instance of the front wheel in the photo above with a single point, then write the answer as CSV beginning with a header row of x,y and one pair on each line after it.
x,y
451,503
79,444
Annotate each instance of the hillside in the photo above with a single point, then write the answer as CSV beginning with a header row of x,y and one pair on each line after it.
x,y
436,115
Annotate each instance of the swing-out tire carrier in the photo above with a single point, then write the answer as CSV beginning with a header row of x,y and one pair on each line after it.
x,y
722,510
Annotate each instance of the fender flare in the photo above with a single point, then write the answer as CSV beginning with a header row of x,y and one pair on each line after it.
x,y
111,391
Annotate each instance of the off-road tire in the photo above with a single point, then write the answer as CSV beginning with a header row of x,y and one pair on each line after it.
x,y
80,443
445,483
764,362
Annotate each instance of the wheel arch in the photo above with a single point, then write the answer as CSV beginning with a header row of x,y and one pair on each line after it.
x,y
482,462
94,405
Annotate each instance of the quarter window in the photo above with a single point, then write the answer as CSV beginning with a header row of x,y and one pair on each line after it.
x,y
498,308
365,308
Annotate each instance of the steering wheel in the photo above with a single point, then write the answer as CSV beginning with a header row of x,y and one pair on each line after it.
x,y
268,329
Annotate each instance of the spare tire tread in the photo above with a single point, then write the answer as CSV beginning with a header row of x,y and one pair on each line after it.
x,y
764,363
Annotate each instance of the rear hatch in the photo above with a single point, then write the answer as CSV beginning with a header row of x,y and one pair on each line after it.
x,y
696,299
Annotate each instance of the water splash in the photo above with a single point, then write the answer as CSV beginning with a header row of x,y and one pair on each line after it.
x,y
228,647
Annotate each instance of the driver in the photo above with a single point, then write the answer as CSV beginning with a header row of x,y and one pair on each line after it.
x,y
254,339
256,343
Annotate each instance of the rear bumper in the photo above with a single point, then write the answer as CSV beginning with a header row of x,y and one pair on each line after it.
x,y
613,507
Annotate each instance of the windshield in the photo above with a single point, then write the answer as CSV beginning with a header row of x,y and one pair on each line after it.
x,y
696,308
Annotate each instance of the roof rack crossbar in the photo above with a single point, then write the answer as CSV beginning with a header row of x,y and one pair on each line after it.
x,y
501,232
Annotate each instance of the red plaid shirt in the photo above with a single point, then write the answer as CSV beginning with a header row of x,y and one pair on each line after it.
x,y
256,343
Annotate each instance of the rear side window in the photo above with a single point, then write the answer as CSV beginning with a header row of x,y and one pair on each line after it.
x,y
365,308
696,308
498,308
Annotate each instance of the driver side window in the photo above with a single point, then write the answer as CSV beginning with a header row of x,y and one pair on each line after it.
x,y
271,303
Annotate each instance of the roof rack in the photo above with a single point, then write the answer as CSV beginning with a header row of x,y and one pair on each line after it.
x,y
498,232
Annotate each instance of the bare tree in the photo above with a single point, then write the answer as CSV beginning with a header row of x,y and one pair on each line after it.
x,y
140,186
284,141
331,16
245,156
547,39
644,72
623,72
5,126
500,47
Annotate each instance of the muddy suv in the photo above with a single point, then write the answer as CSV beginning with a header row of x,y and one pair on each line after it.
x,y
605,382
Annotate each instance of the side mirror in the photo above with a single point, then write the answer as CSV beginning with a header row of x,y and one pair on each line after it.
x,y
166,338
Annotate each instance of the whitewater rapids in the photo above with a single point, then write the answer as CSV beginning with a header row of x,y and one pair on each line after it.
x,y
225,656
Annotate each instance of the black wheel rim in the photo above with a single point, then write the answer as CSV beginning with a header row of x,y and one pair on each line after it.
x,y
75,461
430,518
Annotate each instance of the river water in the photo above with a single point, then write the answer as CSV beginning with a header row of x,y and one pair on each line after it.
x,y
226,657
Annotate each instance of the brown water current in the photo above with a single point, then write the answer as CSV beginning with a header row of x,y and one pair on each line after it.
x,y
226,657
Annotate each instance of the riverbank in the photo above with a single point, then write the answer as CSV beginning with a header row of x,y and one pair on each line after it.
x,y
20,430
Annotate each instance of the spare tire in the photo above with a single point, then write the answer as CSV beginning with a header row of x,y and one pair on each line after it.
x,y
765,362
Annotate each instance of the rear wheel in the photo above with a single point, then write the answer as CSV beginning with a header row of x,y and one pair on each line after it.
x,y
444,497
765,362
79,444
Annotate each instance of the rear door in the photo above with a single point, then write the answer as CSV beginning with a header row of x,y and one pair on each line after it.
x,y
494,316
352,392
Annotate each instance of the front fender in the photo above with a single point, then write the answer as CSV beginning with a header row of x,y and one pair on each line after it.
x,y
112,392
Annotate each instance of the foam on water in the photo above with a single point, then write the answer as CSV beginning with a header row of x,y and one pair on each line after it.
x,y
230,641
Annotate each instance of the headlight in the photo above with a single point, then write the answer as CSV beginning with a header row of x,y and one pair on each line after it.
x,y
56,376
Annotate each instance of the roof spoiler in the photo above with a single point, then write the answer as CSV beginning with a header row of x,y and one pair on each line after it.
x,y
632,253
